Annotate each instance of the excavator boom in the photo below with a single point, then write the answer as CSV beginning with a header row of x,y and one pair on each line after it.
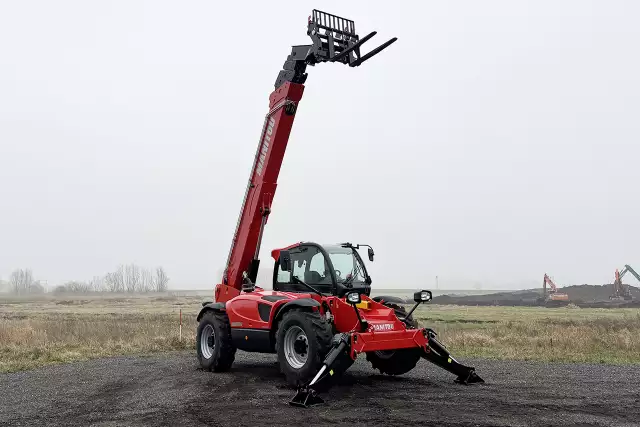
x,y
619,289
632,271
553,293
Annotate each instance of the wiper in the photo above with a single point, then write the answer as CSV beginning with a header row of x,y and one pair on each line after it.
x,y
356,272
347,282
295,279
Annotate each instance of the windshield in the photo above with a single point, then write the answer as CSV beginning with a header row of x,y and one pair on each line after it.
x,y
346,265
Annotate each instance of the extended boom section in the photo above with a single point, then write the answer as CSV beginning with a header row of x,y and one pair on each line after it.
x,y
243,261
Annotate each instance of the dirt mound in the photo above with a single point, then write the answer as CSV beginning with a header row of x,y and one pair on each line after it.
x,y
581,295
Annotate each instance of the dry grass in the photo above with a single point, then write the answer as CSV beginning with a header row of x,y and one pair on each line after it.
x,y
48,330
528,333
37,333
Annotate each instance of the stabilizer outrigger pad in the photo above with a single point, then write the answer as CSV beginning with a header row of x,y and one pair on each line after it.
x,y
470,378
306,397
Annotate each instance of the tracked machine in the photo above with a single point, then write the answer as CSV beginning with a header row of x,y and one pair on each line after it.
x,y
319,316
622,292
552,293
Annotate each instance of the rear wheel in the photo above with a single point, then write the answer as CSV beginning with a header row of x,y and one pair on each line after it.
x,y
396,362
303,340
213,342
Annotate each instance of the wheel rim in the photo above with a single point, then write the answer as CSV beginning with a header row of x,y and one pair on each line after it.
x,y
207,341
296,347
385,354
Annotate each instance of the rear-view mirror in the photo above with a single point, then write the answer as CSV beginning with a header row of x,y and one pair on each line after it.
x,y
370,252
285,260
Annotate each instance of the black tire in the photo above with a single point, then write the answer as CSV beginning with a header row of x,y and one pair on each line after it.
x,y
396,362
318,343
221,357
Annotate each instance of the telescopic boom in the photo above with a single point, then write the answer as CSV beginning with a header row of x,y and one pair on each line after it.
x,y
334,39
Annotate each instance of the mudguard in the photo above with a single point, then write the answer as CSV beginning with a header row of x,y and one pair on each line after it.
x,y
394,300
307,303
206,306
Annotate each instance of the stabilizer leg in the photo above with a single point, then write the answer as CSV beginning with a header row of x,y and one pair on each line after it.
x,y
438,355
307,395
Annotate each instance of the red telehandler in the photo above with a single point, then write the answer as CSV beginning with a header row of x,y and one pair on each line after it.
x,y
319,316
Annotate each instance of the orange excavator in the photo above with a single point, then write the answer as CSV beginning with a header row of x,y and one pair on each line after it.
x,y
552,294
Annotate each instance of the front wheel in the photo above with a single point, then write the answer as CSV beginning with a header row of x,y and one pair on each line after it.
x,y
215,349
303,340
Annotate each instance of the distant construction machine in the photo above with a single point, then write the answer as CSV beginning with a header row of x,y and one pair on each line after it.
x,y
552,294
620,290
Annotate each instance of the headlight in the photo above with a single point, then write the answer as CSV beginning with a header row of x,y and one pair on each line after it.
x,y
422,296
353,298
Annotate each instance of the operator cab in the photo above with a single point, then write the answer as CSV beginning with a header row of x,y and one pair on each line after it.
x,y
330,269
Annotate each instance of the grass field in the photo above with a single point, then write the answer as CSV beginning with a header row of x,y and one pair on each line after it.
x,y
601,335
37,332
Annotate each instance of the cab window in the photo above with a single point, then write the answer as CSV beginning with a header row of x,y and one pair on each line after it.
x,y
308,265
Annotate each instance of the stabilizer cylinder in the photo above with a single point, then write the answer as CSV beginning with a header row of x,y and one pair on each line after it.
x,y
307,395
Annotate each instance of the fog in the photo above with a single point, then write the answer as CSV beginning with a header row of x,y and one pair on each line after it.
x,y
493,142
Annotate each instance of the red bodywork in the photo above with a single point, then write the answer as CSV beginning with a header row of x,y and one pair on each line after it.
x,y
385,330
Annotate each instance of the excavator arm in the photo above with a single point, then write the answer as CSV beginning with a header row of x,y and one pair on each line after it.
x,y
548,281
334,39
619,289
632,271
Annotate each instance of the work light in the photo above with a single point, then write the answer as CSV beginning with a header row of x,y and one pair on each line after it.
x,y
353,298
422,296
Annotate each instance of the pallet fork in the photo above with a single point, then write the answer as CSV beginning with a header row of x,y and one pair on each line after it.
x,y
334,39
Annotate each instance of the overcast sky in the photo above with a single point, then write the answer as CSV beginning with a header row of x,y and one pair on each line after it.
x,y
493,142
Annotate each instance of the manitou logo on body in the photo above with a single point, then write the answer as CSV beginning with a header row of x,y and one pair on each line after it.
x,y
383,326
265,145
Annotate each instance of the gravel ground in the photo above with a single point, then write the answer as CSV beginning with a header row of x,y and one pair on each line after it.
x,y
171,390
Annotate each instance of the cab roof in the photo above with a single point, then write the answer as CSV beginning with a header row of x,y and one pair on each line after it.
x,y
332,247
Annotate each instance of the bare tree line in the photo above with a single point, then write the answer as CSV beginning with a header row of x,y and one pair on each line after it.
x,y
131,278
21,282
128,278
